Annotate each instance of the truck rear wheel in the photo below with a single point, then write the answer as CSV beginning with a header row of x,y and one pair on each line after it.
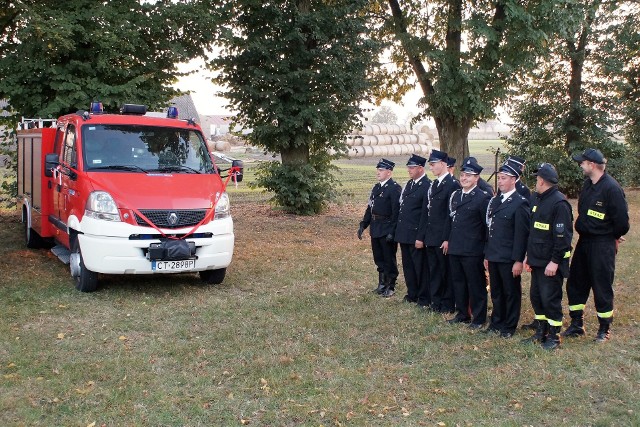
x,y
213,277
31,238
85,279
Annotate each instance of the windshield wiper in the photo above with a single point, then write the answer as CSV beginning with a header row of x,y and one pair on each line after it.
x,y
120,168
177,168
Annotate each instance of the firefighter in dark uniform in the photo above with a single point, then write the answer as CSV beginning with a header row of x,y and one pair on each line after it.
x,y
436,233
467,236
451,167
382,216
508,230
548,253
521,187
603,218
482,184
412,202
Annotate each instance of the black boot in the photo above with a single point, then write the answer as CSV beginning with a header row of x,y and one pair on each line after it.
x,y
553,338
389,289
533,325
542,329
604,330
576,328
380,289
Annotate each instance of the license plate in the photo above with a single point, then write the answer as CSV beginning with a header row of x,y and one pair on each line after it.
x,y
183,265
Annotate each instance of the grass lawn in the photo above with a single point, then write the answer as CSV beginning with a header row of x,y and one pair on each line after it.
x,y
292,337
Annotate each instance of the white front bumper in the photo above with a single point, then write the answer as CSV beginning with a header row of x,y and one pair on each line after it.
x,y
106,247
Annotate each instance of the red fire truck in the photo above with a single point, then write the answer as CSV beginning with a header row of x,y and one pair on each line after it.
x,y
125,194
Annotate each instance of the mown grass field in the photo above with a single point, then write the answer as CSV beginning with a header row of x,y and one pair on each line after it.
x,y
293,336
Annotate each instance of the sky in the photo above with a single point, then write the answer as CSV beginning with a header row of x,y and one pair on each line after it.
x,y
203,93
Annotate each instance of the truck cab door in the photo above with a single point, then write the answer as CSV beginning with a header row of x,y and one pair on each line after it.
x,y
55,181
67,181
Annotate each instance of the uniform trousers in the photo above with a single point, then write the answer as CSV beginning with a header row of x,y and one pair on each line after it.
x,y
593,267
469,287
439,282
384,256
506,296
412,263
546,295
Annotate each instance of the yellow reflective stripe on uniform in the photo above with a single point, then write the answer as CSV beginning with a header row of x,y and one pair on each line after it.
x,y
540,317
541,226
534,208
554,322
567,254
606,315
595,214
576,307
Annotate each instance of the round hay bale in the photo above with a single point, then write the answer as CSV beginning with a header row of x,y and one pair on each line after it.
x,y
368,130
403,129
375,129
368,151
223,146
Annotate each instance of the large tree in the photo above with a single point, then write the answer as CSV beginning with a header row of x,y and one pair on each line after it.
x,y
463,54
572,100
56,57
295,72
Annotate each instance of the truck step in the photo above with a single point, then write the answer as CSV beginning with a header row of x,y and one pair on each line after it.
x,y
62,253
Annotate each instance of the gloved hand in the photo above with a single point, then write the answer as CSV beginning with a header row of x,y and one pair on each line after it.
x,y
389,238
360,231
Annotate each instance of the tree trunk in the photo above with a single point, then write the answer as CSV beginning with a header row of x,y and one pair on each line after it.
x,y
295,155
454,137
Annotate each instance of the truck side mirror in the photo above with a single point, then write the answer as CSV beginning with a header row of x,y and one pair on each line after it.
x,y
239,170
50,162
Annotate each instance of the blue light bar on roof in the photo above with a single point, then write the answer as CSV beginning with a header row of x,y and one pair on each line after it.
x,y
96,108
172,112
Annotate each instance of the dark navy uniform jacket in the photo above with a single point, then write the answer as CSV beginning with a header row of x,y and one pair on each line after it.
x,y
485,186
468,228
508,227
523,190
382,210
411,210
435,229
551,231
602,209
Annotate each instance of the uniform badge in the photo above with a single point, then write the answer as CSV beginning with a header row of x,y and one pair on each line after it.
x,y
560,228
599,203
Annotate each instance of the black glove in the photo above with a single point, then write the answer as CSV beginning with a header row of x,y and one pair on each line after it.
x,y
360,231
389,238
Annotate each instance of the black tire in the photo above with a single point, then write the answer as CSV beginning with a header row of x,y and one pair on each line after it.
x,y
213,277
87,280
31,238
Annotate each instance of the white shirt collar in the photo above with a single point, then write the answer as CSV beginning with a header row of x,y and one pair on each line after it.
x,y
416,180
384,182
505,196
442,177
467,192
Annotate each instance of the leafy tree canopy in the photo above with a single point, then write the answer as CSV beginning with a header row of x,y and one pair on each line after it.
x,y
295,71
56,57
385,115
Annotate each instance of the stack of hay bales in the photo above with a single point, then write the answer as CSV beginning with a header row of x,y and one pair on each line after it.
x,y
379,140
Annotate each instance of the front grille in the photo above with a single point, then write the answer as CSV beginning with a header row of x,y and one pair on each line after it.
x,y
160,218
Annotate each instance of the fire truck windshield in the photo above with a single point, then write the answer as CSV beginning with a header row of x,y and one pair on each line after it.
x,y
137,148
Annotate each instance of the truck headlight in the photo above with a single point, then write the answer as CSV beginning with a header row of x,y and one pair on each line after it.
x,y
100,205
223,207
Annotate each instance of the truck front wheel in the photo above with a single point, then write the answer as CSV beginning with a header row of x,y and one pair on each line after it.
x,y
86,280
213,277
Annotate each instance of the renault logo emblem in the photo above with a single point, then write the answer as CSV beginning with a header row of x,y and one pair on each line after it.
x,y
172,218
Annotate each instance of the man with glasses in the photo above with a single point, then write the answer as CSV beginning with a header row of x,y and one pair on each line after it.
x,y
603,218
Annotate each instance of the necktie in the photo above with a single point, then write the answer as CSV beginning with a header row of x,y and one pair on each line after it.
x,y
435,184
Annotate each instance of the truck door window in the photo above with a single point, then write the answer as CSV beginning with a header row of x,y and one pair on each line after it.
x,y
59,138
69,155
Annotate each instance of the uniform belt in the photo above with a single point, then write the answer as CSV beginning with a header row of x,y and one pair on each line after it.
x,y
378,217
